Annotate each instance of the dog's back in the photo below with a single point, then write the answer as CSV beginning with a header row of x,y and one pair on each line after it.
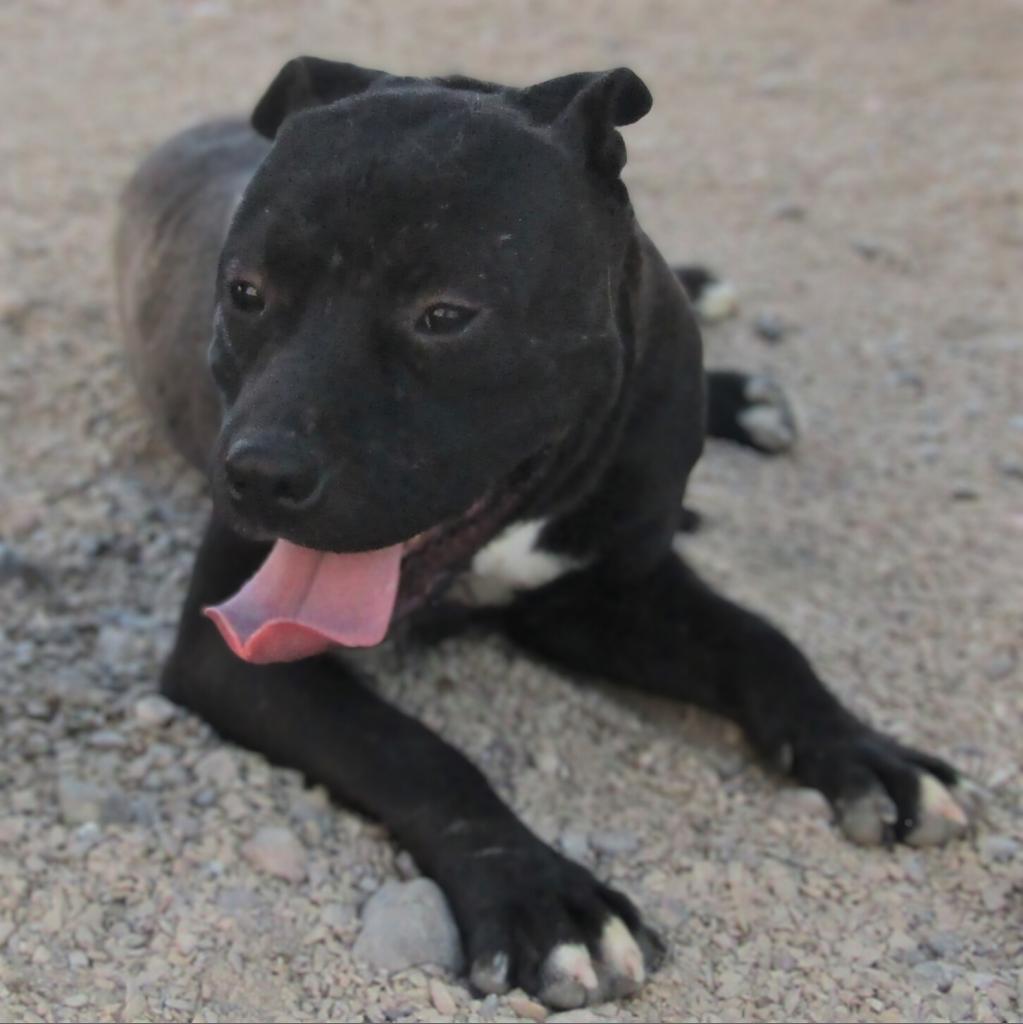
x,y
173,217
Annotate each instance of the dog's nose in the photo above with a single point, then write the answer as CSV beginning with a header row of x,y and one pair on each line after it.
x,y
274,472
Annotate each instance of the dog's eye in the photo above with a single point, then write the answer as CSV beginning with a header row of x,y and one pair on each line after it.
x,y
445,318
246,297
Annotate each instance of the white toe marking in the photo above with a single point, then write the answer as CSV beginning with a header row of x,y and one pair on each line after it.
x,y
620,952
769,420
941,818
717,301
571,960
769,426
512,562
936,799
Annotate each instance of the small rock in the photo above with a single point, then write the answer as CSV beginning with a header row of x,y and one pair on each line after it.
x,y
1012,468
999,848
440,996
614,842
770,327
339,917
14,565
277,851
575,845
1000,666
107,739
79,801
938,974
115,646
964,492
218,767
575,1017
790,211
521,1004
154,711
409,923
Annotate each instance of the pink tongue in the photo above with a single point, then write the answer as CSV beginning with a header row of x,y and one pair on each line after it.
x,y
302,601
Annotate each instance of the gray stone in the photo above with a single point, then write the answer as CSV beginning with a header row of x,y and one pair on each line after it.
x,y
770,327
277,851
409,923
79,801
1000,666
1000,848
154,711
613,842
575,845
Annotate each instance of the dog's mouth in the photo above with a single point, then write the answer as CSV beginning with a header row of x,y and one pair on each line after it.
x,y
302,601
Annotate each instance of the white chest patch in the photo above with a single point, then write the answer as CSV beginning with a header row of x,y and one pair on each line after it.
x,y
510,563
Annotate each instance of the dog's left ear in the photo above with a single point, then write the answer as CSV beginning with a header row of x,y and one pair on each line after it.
x,y
589,106
308,82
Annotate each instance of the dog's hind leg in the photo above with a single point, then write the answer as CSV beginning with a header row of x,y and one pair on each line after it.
x,y
527,915
750,409
670,634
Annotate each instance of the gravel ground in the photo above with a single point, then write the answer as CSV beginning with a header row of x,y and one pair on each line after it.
x,y
856,169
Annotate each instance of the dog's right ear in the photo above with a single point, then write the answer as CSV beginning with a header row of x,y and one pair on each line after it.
x,y
308,82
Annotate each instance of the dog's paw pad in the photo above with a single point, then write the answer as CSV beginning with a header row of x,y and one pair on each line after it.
x,y
940,818
568,978
768,419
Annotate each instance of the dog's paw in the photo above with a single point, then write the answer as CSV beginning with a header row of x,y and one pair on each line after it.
x,y
750,409
712,298
883,793
767,419
531,918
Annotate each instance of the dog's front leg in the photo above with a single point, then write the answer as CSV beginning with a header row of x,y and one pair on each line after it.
x,y
527,915
670,634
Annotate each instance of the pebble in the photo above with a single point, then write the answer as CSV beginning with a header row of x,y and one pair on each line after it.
x,y
1012,468
408,923
115,646
441,997
154,711
789,211
614,842
218,767
14,565
521,1004
1000,666
575,845
107,739
575,1017
277,851
999,848
339,917
770,327
79,801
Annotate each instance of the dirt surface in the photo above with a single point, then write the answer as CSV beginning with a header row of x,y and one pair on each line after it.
x,y
856,168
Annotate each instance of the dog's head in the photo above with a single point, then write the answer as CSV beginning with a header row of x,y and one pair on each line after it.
x,y
417,313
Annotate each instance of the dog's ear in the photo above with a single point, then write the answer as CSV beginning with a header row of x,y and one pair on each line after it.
x,y
308,82
588,106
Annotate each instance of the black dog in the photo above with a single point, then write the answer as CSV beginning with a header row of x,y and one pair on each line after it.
x,y
453,371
